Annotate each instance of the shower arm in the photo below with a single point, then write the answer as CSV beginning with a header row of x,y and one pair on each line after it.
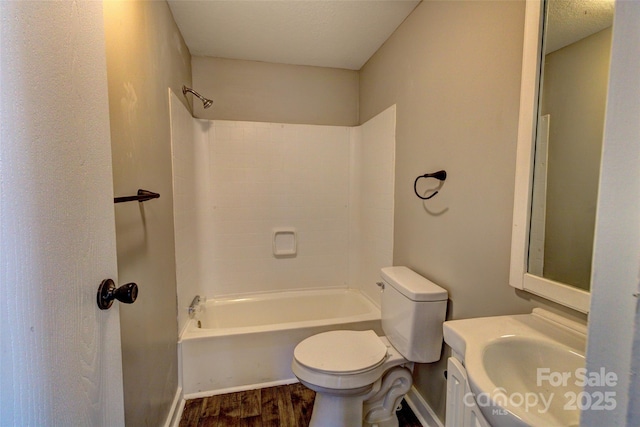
x,y
205,101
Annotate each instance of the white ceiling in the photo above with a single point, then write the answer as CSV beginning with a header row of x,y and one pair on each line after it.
x,y
573,20
325,33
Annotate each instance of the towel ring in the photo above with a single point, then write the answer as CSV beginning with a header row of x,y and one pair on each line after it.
x,y
440,175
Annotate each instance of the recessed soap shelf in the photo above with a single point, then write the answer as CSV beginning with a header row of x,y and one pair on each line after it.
x,y
285,242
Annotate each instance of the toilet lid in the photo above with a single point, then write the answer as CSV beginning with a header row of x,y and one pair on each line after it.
x,y
341,351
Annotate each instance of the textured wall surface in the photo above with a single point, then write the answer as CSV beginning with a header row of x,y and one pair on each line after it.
x,y
145,56
60,362
279,93
453,70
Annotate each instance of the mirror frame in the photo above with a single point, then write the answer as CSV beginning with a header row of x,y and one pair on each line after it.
x,y
519,278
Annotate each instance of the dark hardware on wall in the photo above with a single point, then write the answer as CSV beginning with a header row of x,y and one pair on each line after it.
x,y
143,196
440,175
107,292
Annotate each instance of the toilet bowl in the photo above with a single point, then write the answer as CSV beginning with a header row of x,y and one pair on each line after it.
x,y
360,378
345,369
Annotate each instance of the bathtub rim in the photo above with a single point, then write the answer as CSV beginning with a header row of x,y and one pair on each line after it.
x,y
190,332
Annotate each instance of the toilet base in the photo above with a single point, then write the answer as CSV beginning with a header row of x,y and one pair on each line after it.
x,y
370,406
342,409
380,409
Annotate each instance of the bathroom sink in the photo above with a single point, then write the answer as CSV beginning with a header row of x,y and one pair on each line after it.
x,y
509,368
524,370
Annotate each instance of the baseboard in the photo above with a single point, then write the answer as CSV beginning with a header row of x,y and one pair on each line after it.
x,y
202,394
177,406
422,410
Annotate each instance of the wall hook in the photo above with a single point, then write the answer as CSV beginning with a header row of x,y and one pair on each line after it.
x,y
142,196
440,175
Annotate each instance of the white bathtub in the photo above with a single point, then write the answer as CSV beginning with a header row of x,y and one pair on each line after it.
x,y
247,342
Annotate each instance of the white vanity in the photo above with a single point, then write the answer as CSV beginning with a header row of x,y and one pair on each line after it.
x,y
517,371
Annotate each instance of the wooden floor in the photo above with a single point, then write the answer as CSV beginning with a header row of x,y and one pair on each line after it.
x,y
282,406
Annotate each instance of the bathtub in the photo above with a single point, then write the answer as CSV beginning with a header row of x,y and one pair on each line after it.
x,y
247,342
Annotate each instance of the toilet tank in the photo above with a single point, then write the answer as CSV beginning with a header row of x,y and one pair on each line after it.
x,y
413,310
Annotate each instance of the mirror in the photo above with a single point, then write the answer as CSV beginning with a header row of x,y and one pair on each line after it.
x,y
562,105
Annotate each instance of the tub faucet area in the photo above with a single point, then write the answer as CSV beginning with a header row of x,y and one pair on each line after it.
x,y
194,306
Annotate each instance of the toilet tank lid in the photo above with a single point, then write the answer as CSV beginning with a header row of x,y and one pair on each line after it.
x,y
412,285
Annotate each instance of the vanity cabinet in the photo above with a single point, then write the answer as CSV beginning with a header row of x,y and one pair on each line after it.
x,y
462,409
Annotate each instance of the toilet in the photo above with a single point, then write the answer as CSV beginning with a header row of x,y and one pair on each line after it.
x,y
360,378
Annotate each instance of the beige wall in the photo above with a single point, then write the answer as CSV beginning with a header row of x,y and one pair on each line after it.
x,y
145,56
453,69
266,92
574,95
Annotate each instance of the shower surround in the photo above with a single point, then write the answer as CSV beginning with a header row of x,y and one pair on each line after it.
x,y
235,182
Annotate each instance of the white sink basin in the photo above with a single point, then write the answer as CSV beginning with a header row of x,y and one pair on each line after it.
x,y
511,364
524,370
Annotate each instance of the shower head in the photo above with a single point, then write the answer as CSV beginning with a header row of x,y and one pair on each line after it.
x,y
206,103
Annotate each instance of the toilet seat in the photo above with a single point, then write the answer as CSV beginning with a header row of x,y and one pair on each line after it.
x,y
341,352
